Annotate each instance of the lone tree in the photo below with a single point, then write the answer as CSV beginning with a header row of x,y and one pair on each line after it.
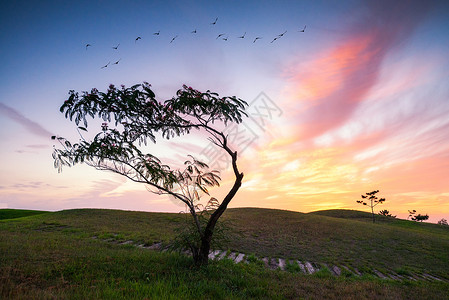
x,y
371,201
417,217
443,221
137,118
386,213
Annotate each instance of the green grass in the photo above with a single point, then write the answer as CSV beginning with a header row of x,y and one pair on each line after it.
x,y
7,213
53,255
352,240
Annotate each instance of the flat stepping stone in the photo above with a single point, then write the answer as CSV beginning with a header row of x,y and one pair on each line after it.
x,y
431,277
282,264
232,256
394,277
221,255
155,246
336,270
213,254
309,267
126,242
302,267
273,264
239,258
379,274
270,263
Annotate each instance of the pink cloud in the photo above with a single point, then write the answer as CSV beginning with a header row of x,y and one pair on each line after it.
x,y
325,91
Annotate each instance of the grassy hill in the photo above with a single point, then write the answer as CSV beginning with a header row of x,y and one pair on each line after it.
x,y
342,236
63,255
7,213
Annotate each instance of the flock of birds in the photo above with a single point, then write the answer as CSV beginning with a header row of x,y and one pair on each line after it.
x,y
222,36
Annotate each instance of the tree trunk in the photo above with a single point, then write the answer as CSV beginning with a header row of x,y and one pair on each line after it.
x,y
203,255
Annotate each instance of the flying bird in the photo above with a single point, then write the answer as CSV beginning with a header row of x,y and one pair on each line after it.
x,y
282,34
225,38
116,47
303,30
243,36
106,65
194,31
116,63
274,39
257,38
157,33
137,38
88,45
173,39
214,22
220,35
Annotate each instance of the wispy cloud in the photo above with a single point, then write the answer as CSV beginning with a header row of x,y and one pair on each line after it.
x,y
326,91
33,185
32,126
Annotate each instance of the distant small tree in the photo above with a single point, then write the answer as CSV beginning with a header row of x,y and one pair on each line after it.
x,y
372,201
443,221
417,217
386,213
135,116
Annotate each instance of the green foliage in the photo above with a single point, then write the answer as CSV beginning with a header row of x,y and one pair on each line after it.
x,y
188,238
253,259
323,273
293,268
136,116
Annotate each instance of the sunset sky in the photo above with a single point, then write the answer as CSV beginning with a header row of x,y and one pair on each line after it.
x,y
357,102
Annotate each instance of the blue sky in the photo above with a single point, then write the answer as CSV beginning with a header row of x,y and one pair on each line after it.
x,y
363,92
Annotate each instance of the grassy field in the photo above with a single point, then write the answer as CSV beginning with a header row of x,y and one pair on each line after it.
x,y
55,255
18,213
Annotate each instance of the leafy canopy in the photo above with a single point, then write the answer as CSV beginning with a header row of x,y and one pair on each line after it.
x,y
137,116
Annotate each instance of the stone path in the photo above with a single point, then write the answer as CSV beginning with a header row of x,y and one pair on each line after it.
x,y
304,267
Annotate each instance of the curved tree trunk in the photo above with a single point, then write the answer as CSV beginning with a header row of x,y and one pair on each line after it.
x,y
203,255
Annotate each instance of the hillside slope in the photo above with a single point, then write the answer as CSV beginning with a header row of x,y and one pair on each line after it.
x,y
350,240
85,254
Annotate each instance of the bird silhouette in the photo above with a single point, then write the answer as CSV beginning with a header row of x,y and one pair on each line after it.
x,y
214,22
116,63
157,33
88,45
116,47
137,38
243,36
220,35
173,39
303,30
282,34
225,39
194,31
106,65
257,38
274,39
